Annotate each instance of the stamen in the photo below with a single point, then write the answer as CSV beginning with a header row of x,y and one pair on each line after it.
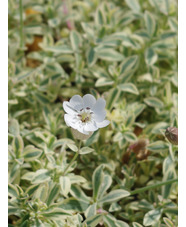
x,y
84,116
88,108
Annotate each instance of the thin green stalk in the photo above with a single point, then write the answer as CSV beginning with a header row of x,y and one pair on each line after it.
x,y
153,186
21,24
72,161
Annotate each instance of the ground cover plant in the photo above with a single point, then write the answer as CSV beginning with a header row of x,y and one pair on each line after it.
x,y
124,173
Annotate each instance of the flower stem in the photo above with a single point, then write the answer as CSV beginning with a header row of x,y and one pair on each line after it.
x,y
21,24
153,186
72,161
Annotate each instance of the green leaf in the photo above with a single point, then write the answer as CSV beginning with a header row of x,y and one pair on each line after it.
x,y
75,39
76,179
33,29
12,190
86,150
107,181
138,109
150,23
101,82
18,145
171,210
112,98
55,212
114,196
130,137
13,127
31,153
121,223
127,18
154,102
168,165
91,210
73,147
111,221
88,30
129,87
152,217
99,17
28,176
166,190
97,180
42,192
53,194
40,176
74,205
65,185
30,190
161,45
108,54
59,49
168,35
43,99
173,23
128,64
129,121
150,56
94,220
14,172
168,222
114,207
159,127
91,56
54,22
158,146
134,5
135,224
78,193
24,75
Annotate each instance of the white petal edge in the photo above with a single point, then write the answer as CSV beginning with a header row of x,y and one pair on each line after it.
x,y
100,105
76,102
99,116
82,129
70,121
91,127
103,124
68,108
89,101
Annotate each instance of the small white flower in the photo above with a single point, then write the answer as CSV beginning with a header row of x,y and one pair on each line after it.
x,y
85,115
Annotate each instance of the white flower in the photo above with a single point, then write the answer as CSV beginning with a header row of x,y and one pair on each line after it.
x,y
85,115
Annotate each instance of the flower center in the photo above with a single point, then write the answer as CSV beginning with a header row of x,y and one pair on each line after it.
x,y
85,115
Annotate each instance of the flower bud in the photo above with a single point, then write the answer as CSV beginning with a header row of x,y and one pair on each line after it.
x,y
80,136
171,134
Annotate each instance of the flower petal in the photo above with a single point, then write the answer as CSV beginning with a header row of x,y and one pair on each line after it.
x,y
68,108
70,121
99,116
76,102
81,129
103,123
100,105
89,101
91,127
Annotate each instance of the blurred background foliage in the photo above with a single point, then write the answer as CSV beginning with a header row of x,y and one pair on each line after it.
x,y
124,51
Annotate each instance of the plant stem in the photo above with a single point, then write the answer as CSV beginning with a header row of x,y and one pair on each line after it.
x,y
74,158
21,24
153,186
